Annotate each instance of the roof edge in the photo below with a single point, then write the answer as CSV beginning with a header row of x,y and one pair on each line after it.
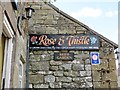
x,y
85,26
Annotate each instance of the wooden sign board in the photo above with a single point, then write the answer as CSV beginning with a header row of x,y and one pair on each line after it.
x,y
63,56
63,42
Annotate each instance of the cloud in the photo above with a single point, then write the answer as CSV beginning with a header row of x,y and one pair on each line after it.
x,y
87,12
111,13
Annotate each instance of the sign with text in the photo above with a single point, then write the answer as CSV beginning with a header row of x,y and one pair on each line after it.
x,y
63,56
63,42
95,60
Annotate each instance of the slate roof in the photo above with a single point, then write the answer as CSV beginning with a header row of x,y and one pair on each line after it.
x,y
83,25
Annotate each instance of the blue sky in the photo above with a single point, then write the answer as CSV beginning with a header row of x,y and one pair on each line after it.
x,y
99,15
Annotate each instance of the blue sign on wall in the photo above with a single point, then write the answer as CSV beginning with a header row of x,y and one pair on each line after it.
x,y
95,60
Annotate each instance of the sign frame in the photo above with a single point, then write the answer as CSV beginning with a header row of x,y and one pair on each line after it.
x,y
95,59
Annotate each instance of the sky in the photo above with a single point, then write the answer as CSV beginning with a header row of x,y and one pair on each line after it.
x,y
99,15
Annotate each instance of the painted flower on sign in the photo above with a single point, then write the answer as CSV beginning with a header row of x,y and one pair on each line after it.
x,y
93,40
33,39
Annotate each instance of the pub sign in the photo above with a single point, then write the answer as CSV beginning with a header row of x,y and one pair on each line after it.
x,y
63,42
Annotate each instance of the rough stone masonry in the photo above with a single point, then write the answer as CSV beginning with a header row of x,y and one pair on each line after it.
x,y
45,72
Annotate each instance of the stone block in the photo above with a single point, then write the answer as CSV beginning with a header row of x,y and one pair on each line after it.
x,y
31,57
58,73
45,57
41,86
52,62
113,84
48,72
78,80
112,64
96,75
88,73
43,65
41,72
78,67
104,85
88,84
48,21
88,79
83,73
97,84
76,52
84,56
70,85
103,64
30,53
62,31
50,16
37,52
88,67
60,67
63,79
56,85
49,78
30,86
87,61
31,72
36,7
83,85
110,75
110,55
77,61
53,68
52,30
101,53
36,79
78,56
66,66
45,72
34,57
96,67
46,7
71,73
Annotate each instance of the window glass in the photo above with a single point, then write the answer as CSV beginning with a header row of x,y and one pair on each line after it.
x,y
20,73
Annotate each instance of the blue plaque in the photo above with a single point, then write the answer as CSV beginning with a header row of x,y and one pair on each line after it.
x,y
95,60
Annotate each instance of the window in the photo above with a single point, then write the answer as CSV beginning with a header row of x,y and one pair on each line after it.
x,y
8,47
20,73
20,84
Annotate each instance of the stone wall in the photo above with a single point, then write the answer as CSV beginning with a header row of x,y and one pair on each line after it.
x,y
45,72
48,73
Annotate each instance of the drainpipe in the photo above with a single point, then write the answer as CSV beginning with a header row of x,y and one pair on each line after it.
x,y
27,62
